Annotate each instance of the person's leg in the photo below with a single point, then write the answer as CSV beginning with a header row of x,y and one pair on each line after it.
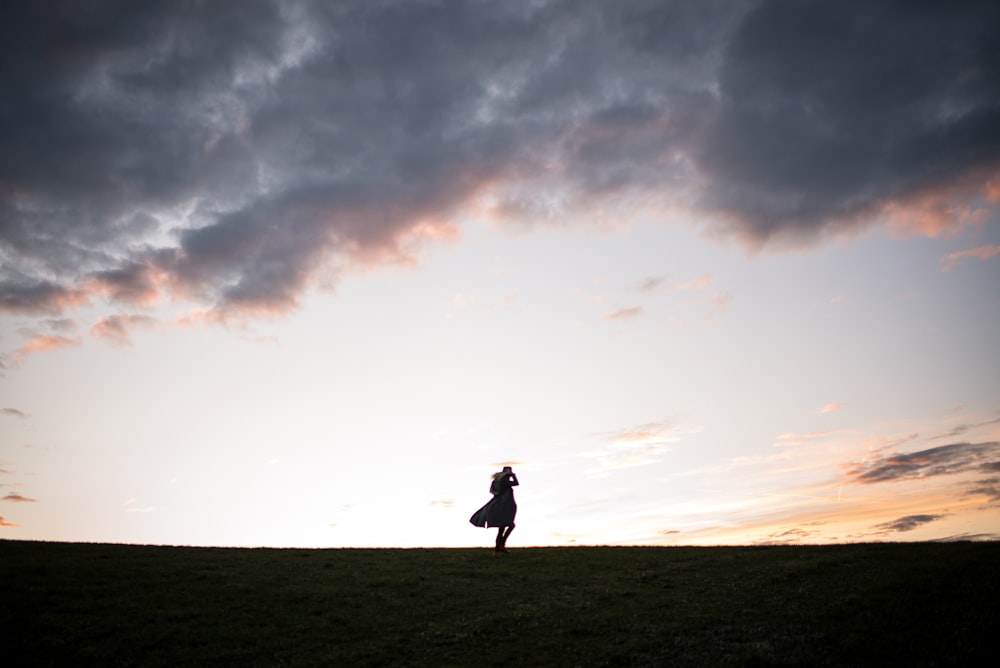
x,y
506,535
500,540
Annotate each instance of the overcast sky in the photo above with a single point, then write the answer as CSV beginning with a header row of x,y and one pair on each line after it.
x,y
306,273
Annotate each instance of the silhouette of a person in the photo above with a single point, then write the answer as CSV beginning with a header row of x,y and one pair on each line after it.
x,y
500,510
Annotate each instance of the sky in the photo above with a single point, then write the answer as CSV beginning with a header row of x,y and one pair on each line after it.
x,y
304,274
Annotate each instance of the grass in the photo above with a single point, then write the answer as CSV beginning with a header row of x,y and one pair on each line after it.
x,y
914,604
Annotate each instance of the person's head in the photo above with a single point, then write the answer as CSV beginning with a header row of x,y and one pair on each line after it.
x,y
502,474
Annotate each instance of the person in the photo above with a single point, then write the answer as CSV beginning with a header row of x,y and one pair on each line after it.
x,y
500,510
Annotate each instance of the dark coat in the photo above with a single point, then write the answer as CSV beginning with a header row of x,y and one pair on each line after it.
x,y
501,509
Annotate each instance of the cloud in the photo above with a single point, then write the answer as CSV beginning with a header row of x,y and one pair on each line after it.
x,y
636,446
236,157
721,301
830,408
14,412
942,460
14,497
45,342
989,487
116,328
964,428
132,506
968,537
791,536
60,324
951,260
699,283
651,283
827,114
5,523
908,523
624,313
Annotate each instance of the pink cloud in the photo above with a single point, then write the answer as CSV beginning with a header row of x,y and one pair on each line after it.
x,y
830,408
699,283
624,313
115,329
139,284
44,343
940,212
42,298
721,300
5,523
980,253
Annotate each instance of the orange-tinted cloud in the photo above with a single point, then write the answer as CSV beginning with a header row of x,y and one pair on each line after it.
x,y
5,523
830,408
41,297
948,262
44,343
935,213
137,284
624,313
115,329
14,497
699,283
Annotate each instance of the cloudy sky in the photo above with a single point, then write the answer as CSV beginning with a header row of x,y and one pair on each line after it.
x,y
298,273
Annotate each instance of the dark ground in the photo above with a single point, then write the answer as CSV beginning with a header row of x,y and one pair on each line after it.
x,y
913,604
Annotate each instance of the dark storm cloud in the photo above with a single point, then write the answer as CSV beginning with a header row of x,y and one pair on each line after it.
x,y
233,153
831,110
943,460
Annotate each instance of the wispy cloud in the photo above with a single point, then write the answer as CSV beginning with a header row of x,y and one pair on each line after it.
x,y
720,302
133,506
700,283
792,536
951,260
5,523
652,283
988,487
943,460
829,408
624,313
908,523
116,329
45,342
14,497
14,412
636,446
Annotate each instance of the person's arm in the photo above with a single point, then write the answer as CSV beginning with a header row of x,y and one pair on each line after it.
x,y
513,480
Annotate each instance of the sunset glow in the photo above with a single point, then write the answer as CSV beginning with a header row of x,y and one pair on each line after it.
x,y
309,276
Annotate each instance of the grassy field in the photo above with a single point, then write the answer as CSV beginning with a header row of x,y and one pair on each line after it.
x,y
876,604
